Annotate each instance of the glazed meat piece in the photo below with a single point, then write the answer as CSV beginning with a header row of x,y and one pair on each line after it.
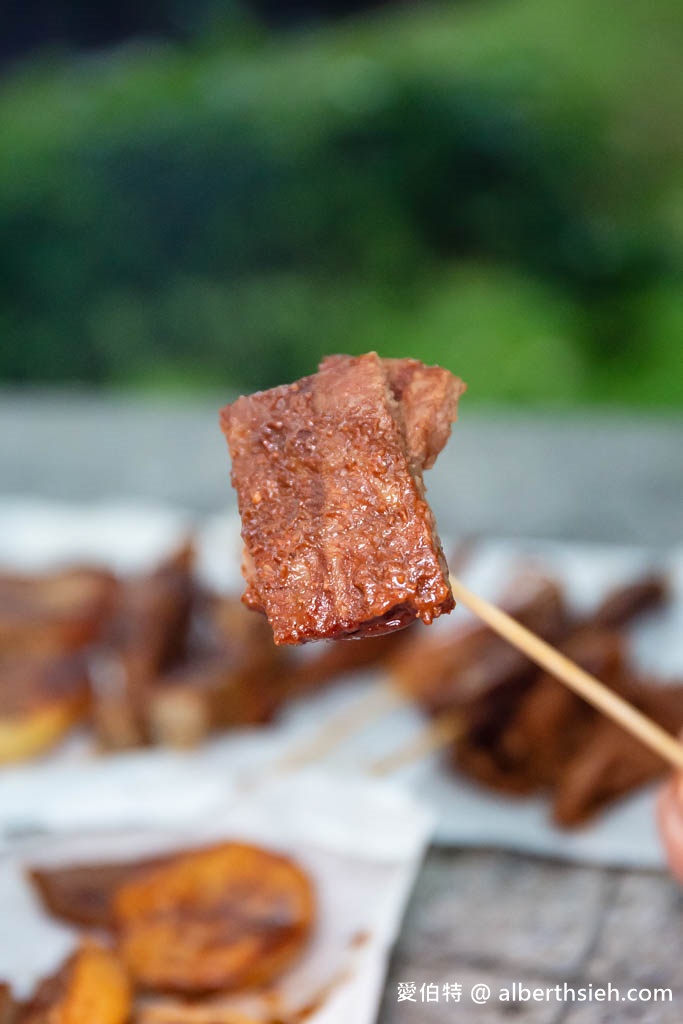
x,y
339,539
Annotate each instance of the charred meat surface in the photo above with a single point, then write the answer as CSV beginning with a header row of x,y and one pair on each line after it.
x,y
339,539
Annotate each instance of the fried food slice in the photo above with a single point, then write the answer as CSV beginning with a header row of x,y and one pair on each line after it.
x,y
339,538
41,700
82,894
90,988
224,918
55,613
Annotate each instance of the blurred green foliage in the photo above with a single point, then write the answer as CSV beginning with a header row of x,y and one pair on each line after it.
x,y
497,186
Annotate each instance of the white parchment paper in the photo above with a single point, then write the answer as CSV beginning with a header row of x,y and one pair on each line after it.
x,y
361,845
128,536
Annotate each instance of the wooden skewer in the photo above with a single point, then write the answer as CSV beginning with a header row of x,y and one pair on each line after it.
x,y
380,701
447,728
443,731
585,685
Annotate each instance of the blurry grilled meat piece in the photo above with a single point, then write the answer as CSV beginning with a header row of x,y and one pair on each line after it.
x,y
610,762
626,603
145,635
55,613
233,675
525,744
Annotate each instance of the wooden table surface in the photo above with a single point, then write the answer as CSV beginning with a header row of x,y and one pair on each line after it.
x,y
475,918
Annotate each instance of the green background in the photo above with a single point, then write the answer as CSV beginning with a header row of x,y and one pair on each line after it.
x,y
496,186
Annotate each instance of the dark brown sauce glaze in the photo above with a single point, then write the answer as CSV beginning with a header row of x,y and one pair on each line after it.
x,y
339,538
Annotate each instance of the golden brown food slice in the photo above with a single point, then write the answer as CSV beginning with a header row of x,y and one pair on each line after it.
x,y
55,613
41,700
223,918
90,988
34,733
339,538
82,894
146,633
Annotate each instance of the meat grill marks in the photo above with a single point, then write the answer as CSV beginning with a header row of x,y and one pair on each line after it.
x,y
339,540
